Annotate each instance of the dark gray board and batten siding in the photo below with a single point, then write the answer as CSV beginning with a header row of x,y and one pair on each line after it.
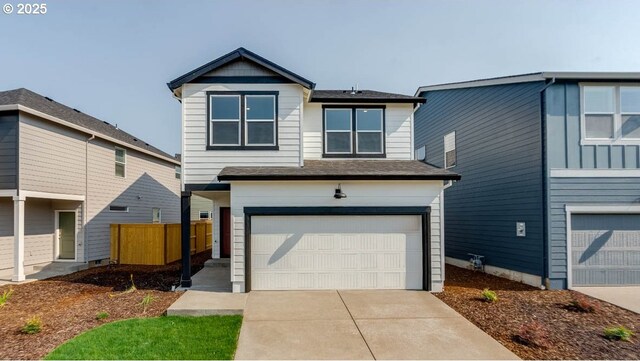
x,y
9,150
499,155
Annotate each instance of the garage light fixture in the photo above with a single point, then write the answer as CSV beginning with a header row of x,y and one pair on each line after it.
x,y
338,194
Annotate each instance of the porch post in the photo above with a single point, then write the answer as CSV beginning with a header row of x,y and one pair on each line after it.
x,y
185,206
18,238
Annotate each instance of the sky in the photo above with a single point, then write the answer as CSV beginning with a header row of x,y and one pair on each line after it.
x,y
112,59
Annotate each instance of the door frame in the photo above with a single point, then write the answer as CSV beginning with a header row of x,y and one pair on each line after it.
x,y
590,209
56,240
423,212
221,224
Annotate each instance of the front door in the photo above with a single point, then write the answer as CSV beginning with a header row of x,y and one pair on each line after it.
x,y
66,235
225,232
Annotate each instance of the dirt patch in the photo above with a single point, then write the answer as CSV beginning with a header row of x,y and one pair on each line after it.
x,y
571,334
68,305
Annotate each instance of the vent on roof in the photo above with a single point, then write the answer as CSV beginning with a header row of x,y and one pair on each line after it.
x,y
135,140
49,99
147,144
105,122
76,110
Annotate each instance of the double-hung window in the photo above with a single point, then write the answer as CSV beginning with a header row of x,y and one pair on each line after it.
x,y
242,120
610,114
121,162
353,132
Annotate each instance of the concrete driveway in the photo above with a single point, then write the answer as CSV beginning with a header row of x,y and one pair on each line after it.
x,y
624,296
359,325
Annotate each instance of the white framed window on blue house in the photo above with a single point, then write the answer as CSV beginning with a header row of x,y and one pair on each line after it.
x,y
353,132
242,120
610,113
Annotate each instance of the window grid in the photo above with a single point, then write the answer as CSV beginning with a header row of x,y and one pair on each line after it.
x,y
628,113
369,131
617,115
120,162
221,120
247,120
327,131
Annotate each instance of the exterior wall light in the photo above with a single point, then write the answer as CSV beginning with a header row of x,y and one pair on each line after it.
x,y
338,194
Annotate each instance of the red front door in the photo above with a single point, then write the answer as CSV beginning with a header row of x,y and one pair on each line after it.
x,y
225,232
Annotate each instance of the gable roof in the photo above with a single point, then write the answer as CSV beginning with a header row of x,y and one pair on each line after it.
x,y
361,96
239,54
28,101
523,78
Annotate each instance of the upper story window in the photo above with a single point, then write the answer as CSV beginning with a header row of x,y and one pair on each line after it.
x,y
610,114
450,156
121,162
156,215
178,171
354,132
242,120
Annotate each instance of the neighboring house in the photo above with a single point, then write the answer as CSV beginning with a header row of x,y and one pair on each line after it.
x,y
311,189
66,176
551,165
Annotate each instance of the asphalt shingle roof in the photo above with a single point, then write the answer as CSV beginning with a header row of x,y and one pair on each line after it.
x,y
35,101
347,96
343,169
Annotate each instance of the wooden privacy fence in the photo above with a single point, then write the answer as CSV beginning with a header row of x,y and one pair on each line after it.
x,y
155,244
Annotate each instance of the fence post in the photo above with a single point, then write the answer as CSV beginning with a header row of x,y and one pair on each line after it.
x,y
165,243
119,242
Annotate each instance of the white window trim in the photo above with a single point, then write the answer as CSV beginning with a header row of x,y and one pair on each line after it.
x,y
350,131
617,117
381,131
208,214
159,215
178,172
123,163
211,120
247,120
444,145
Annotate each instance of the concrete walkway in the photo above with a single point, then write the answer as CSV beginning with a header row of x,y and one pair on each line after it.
x,y
335,325
627,297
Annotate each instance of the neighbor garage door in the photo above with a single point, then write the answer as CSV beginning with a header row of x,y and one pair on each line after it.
x,y
336,252
605,249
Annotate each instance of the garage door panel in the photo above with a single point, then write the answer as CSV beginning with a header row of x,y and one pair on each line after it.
x,y
298,252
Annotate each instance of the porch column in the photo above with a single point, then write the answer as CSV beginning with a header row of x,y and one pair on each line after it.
x,y
185,206
18,238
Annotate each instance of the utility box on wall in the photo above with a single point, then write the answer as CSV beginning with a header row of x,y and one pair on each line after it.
x,y
521,229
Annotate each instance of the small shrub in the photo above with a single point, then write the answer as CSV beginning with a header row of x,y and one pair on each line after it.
x,y
101,316
146,302
619,333
5,297
489,296
533,334
131,288
582,303
32,326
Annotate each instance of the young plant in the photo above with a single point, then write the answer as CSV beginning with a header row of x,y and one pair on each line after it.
x,y
619,333
489,296
32,326
533,334
102,316
584,304
5,297
146,302
131,288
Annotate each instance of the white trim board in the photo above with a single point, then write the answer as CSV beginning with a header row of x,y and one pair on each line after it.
x,y
591,209
594,173
528,279
46,195
8,192
56,240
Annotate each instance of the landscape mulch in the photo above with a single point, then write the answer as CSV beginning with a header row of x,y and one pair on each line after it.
x,y
68,305
571,334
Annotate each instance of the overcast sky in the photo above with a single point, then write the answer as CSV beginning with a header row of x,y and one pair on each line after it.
x,y
112,59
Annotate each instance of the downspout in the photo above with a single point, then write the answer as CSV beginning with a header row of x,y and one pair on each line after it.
x,y
545,192
85,223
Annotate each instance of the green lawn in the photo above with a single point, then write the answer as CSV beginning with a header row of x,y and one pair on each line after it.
x,y
161,338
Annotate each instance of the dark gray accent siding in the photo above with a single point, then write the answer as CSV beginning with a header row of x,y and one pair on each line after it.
x,y
563,123
9,150
580,191
499,155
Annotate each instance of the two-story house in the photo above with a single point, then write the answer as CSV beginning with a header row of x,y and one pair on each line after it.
x,y
311,189
65,176
551,166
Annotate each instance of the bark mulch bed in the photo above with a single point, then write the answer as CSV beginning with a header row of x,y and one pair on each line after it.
x,y
571,334
68,305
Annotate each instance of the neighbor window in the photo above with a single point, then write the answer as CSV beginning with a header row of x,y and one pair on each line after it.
x,y
242,119
121,161
118,209
353,132
178,170
156,215
450,157
611,113
205,215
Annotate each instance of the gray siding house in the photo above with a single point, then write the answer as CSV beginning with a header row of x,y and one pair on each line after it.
x,y
65,176
551,167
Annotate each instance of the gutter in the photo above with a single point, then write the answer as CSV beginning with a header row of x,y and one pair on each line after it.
x,y
85,207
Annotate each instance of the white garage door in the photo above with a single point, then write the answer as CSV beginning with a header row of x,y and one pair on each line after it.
x,y
336,252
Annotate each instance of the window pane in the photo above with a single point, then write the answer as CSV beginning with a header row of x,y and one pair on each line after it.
x,y
630,99
599,126
631,126
119,169
450,158
598,99
120,155
369,142
260,133
369,119
225,133
225,107
339,142
260,107
338,119
204,214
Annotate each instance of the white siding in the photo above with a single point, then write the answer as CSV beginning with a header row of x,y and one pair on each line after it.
x,y
200,204
320,193
398,130
202,166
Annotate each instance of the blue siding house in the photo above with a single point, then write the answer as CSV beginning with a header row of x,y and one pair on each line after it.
x,y
550,193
